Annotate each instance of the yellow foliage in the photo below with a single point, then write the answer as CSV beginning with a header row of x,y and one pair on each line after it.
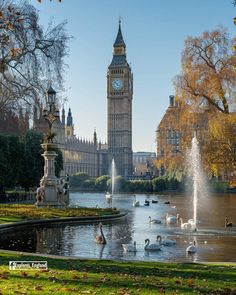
x,y
220,148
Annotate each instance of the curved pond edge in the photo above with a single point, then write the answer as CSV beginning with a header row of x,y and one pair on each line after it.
x,y
63,221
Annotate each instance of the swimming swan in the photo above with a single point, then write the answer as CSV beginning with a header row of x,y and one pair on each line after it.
x,y
100,239
157,221
192,248
152,247
130,247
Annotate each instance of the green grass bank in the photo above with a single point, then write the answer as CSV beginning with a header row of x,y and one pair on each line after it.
x,y
77,276
24,212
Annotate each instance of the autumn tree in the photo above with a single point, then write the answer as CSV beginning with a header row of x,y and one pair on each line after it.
x,y
219,151
208,76
30,56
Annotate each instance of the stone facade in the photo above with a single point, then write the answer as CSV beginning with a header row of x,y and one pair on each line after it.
x,y
14,123
144,163
173,136
119,108
79,155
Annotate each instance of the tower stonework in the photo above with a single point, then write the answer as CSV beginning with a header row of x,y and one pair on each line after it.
x,y
119,108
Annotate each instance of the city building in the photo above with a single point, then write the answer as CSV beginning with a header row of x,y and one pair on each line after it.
x,y
79,154
175,132
144,163
14,123
119,108
91,156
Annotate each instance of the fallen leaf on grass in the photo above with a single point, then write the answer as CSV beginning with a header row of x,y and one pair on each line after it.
x,y
24,274
122,292
44,270
178,282
38,288
190,282
3,276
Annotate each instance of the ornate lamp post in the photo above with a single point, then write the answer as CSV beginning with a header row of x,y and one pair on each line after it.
x,y
48,194
50,113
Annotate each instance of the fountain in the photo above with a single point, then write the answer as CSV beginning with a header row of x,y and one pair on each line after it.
x,y
113,175
196,175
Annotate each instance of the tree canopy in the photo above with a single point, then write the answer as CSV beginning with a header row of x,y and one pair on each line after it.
x,y
30,56
26,154
219,152
208,76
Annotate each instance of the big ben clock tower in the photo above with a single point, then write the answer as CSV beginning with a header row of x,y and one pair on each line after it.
x,y
119,108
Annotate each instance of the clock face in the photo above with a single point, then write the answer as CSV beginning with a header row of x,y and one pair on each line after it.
x,y
117,84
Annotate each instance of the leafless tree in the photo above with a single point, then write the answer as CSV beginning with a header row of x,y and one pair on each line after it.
x,y
29,55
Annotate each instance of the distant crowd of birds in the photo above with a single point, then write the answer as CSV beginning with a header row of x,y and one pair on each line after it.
x,y
189,225
100,239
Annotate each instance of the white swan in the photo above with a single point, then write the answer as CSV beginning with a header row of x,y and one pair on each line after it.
x,y
166,242
192,248
193,221
100,239
108,195
152,247
172,218
135,203
157,221
130,247
185,225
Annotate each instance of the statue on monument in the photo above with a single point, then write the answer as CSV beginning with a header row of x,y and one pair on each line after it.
x,y
50,192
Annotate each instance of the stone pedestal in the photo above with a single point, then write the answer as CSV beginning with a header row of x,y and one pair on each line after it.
x,y
49,194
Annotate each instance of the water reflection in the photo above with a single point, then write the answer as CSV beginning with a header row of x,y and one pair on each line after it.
x,y
214,241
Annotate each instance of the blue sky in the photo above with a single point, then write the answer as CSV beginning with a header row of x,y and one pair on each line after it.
x,y
154,32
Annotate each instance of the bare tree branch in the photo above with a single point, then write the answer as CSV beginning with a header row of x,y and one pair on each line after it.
x,y
29,56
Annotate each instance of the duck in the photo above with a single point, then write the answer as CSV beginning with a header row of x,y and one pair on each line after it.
x,y
167,202
100,239
185,225
172,218
154,201
166,242
228,223
130,247
192,248
157,221
152,247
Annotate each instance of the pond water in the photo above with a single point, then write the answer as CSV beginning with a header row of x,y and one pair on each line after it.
x,y
214,241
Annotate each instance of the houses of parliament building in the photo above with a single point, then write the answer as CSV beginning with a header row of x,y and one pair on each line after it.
x,y
93,157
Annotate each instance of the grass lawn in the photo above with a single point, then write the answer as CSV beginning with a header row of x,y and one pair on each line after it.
x,y
76,276
18,212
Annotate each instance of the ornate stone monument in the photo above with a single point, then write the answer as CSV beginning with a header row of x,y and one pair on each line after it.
x,y
50,192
